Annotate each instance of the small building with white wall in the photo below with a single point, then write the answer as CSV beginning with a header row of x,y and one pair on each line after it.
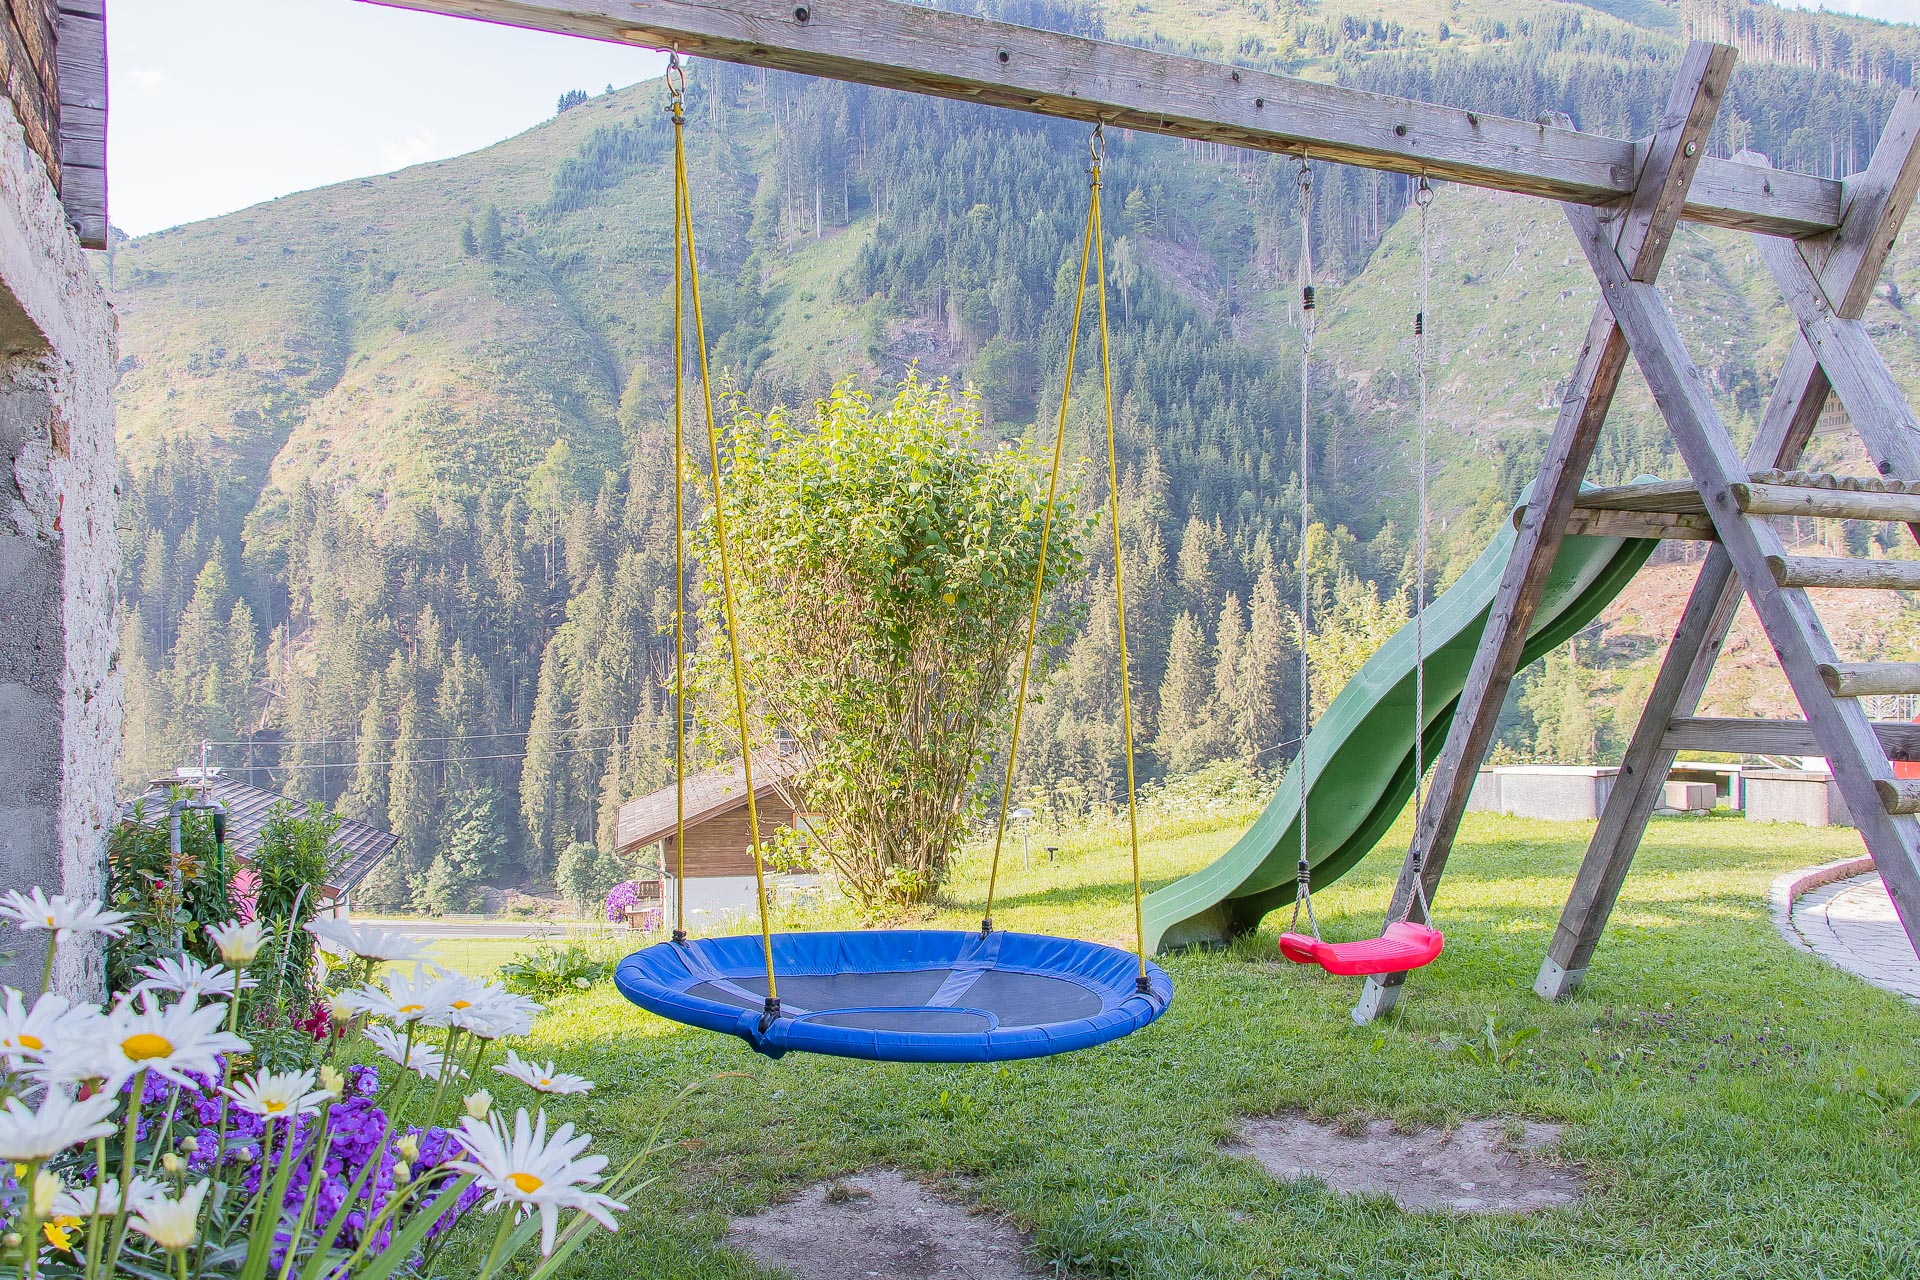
x,y
719,847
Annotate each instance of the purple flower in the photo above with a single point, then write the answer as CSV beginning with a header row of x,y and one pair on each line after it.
x,y
622,896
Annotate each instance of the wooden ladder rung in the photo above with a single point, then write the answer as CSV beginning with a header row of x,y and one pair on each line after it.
x,y
1779,493
1901,741
1834,571
1870,679
1899,795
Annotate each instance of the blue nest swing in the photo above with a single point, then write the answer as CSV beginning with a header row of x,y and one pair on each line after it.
x,y
902,995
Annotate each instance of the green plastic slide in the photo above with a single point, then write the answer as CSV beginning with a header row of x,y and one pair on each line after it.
x,y
1360,753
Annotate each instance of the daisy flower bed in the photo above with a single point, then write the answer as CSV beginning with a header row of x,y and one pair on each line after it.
x,y
137,1143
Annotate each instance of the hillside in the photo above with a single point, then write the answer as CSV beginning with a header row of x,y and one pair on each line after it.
x,y
396,526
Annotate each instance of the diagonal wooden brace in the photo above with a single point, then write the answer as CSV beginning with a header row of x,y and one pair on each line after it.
x,y
1851,259
1641,233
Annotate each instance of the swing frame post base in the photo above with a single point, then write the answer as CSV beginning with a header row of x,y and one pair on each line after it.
x,y
1557,983
1378,997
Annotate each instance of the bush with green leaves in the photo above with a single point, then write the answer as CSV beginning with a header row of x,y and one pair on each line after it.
x,y
167,900
550,969
586,874
883,559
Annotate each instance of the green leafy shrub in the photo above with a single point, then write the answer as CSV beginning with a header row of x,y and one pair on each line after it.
x,y
169,900
550,970
883,562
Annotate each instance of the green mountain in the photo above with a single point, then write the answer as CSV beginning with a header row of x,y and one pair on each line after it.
x,y
398,505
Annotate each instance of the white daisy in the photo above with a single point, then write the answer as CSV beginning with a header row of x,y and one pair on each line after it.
x,y
401,999
65,916
26,1033
278,1095
494,1013
27,1135
239,941
424,1058
532,1173
369,942
541,1076
172,1041
102,1201
187,978
170,1223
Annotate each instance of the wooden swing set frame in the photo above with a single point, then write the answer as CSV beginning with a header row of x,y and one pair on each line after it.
x,y
1825,242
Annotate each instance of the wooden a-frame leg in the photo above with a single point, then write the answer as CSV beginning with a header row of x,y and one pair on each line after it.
x,y
1643,230
1840,725
1851,259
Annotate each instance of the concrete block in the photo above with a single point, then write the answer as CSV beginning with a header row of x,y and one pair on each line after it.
x,y
1689,797
1485,796
1808,797
1558,792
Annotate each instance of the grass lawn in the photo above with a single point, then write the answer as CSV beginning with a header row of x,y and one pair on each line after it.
x,y
1696,1074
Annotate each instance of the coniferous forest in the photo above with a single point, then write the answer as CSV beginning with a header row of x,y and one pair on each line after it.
x,y
398,502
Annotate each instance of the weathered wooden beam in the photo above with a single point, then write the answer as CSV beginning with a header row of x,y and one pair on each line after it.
x,y
1890,504
1853,257
1843,574
1900,740
1899,795
1870,679
953,55
1640,524
82,54
1792,626
1676,146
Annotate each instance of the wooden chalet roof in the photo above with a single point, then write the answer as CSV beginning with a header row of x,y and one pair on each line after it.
x,y
650,818
356,846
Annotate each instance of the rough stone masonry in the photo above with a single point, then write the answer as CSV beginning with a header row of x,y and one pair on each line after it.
x,y
60,693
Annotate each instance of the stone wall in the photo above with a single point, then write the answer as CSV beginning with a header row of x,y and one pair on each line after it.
x,y
60,695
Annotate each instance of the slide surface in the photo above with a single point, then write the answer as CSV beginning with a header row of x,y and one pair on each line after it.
x,y
1360,752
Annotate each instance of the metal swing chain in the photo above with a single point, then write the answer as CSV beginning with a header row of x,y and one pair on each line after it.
x,y
1303,890
683,212
1422,345
1099,145
1097,149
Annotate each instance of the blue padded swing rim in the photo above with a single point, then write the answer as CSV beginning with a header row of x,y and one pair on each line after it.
x,y
659,979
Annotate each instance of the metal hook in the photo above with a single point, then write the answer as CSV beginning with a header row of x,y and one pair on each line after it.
x,y
1305,174
676,77
1097,146
1423,194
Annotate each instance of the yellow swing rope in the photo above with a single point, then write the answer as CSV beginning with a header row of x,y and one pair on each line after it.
x,y
676,87
683,213
1092,254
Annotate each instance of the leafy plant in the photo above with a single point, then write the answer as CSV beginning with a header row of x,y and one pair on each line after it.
x,y
883,566
1496,1048
1881,1092
168,900
549,970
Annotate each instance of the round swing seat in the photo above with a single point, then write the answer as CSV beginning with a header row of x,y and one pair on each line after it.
x,y
1402,946
901,995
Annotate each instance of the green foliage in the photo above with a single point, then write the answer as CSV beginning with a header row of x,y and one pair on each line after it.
x,y
883,567
585,874
1496,1048
1346,631
473,839
549,970
170,900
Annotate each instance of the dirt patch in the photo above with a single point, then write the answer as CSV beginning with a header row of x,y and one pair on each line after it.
x,y
881,1224
1481,1166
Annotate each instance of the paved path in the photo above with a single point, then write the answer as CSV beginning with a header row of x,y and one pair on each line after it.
x,y
1852,924
476,928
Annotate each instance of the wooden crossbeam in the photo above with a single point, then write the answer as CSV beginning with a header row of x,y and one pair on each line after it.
x,y
952,55
1643,228
1851,259
1901,741
1680,390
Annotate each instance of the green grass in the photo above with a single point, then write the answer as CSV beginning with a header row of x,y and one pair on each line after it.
x,y
1696,1075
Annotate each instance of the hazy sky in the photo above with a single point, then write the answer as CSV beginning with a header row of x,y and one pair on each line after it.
x,y
219,104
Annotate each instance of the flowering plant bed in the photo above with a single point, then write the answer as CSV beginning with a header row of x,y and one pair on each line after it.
x,y
139,1145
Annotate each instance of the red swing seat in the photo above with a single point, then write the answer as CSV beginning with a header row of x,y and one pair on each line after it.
x,y
1403,946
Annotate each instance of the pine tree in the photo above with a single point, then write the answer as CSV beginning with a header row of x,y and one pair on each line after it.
x,y
1186,735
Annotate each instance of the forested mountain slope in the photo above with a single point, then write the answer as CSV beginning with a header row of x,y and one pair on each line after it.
x,y
398,532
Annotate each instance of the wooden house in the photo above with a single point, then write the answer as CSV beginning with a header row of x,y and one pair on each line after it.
x,y
719,847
